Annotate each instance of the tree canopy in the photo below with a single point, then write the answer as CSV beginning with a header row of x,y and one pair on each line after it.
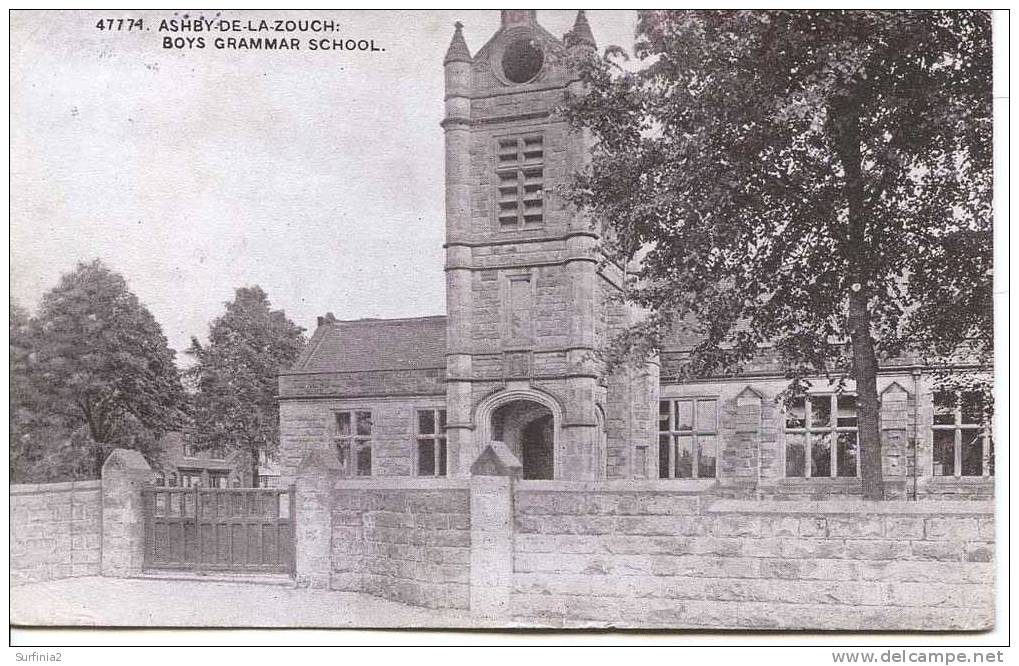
x,y
34,433
91,372
814,181
235,376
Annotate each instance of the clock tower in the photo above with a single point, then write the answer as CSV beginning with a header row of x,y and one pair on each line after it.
x,y
529,301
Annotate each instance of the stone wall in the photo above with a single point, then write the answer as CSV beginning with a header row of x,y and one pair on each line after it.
x,y
55,531
307,426
637,556
80,528
406,540
641,554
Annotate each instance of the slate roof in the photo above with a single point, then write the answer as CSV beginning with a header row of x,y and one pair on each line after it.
x,y
684,339
375,344
680,342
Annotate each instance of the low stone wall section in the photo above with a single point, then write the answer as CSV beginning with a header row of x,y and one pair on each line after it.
x,y
650,558
56,531
404,539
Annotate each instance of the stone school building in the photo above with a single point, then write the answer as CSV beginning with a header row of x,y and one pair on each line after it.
x,y
484,464
529,303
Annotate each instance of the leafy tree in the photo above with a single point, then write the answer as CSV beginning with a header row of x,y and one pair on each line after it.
x,y
819,181
100,369
234,405
42,449
26,445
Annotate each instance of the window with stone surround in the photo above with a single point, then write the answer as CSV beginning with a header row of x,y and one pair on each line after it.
x,y
821,437
520,174
961,436
219,479
430,436
688,438
188,444
190,478
354,442
268,481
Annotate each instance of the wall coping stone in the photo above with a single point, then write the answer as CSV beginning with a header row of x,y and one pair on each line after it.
x,y
496,460
403,483
125,459
854,507
60,486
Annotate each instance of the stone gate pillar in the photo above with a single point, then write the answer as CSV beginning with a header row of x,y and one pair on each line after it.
x,y
492,477
123,541
313,485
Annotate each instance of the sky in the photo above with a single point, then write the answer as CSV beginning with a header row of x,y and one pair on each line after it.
x,y
316,175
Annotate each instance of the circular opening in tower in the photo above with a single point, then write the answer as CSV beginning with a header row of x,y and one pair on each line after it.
x,y
522,60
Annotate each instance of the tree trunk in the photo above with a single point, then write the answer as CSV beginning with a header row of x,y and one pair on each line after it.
x,y
845,124
99,456
867,404
253,452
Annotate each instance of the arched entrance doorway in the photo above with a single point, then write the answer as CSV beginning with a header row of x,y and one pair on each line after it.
x,y
527,428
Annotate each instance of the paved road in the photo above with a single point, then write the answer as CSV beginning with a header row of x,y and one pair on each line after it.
x,y
95,601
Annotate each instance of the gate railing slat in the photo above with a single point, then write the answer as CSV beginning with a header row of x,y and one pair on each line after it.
x,y
205,534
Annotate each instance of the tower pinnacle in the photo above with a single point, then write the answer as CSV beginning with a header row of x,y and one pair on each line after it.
x,y
581,32
458,51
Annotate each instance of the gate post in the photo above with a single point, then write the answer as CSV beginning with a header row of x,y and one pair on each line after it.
x,y
123,543
313,489
492,480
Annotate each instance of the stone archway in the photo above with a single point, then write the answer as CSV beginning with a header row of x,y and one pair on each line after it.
x,y
527,428
507,412
537,449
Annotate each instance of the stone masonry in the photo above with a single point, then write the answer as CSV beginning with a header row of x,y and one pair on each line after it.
x,y
123,522
622,553
644,557
55,531
80,528
639,554
404,540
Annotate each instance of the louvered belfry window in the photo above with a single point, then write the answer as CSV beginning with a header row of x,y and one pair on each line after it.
x,y
520,175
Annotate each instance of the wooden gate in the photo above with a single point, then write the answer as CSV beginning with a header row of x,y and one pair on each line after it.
x,y
219,529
